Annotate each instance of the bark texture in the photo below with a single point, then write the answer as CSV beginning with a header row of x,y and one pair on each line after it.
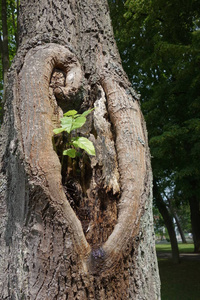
x,y
83,231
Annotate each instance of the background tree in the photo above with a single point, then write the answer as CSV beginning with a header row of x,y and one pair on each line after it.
x,y
4,40
82,228
168,219
173,209
159,46
8,40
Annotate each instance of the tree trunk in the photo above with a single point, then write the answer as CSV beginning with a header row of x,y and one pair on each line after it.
x,y
88,233
168,223
14,6
4,41
4,51
174,214
179,227
195,221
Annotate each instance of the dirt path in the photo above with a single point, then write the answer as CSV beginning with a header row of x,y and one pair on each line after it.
x,y
185,256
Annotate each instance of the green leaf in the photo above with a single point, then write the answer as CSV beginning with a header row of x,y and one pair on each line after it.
x,y
70,113
58,130
66,123
87,112
84,144
78,122
70,152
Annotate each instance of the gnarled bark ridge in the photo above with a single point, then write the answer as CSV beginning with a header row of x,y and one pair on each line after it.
x,y
85,231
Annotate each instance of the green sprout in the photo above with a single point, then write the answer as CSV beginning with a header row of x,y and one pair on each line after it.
x,y
72,121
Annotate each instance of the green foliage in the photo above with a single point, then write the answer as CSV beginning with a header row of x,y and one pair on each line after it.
x,y
12,27
85,144
158,222
72,121
159,43
70,152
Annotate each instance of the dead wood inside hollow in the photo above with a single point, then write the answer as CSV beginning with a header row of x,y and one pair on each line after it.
x,y
89,196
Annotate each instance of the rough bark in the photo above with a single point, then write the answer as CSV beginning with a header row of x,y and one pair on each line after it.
x,y
85,231
168,223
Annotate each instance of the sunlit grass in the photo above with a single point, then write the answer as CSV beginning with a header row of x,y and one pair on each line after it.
x,y
182,248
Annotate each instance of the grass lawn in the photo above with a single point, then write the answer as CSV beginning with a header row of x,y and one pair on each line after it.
x,y
182,281
183,248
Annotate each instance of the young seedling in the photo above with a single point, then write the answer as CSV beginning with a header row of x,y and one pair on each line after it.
x,y
72,121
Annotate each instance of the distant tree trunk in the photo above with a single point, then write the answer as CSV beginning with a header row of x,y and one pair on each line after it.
x,y
179,228
15,10
168,223
4,52
4,41
195,221
87,234
173,212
